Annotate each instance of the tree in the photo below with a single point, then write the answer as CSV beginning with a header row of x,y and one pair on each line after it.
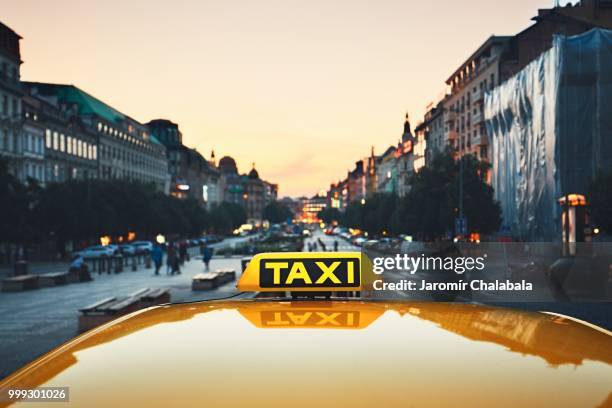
x,y
277,212
374,214
330,215
432,204
225,217
600,197
14,207
84,210
353,215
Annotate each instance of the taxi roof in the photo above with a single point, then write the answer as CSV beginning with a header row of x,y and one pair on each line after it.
x,y
324,353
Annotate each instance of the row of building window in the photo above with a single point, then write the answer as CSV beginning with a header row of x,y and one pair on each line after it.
x,y
132,159
103,128
110,172
71,145
35,171
10,106
8,141
33,144
6,73
59,173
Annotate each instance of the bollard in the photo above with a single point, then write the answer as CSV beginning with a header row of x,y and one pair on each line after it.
x,y
148,261
134,263
118,264
20,268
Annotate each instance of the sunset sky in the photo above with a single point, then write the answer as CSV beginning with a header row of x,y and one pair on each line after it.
x,y
301,88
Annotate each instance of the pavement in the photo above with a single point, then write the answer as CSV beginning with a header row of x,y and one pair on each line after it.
x,y
35,322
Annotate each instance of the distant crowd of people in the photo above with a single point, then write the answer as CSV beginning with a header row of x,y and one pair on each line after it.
x,y
314,245
176,256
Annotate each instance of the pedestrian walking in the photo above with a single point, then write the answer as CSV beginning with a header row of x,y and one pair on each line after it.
x,y
207,256
156,257
170,258
323,247
183,251
176,266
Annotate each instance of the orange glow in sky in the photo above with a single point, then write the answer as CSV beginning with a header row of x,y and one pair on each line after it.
x,y
301,88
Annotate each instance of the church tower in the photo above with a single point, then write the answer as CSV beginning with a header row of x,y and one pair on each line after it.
x,y
213,160
407,135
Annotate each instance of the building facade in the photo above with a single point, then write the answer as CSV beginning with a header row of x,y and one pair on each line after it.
x,y
70,148
33,140
405,159
118,146
311,208
501,57
248,190
356,183
464,128
386,171
11,144
434,131
337,195
191,175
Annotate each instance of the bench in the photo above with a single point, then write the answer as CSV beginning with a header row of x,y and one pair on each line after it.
x,y
110,308
205,281
226,275
154,297
20,283
53,279
212,280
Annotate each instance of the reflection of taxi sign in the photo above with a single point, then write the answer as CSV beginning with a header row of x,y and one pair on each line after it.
x,y
311,315
299,271
310,318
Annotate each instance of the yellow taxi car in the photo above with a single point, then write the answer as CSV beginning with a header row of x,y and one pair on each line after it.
x,y
314,348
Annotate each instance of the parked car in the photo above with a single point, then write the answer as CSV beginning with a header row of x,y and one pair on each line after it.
x,y
211,239
95,252
359,241
127,249
114,247
142,247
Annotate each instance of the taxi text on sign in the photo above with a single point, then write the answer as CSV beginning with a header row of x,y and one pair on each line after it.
x,y
299,271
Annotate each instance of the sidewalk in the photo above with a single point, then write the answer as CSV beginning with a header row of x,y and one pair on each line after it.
x,y
34,322
37,268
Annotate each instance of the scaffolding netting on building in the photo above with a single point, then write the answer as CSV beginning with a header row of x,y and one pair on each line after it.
x,y
550,129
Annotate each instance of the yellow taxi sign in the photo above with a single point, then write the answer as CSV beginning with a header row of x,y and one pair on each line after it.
x,y
304,271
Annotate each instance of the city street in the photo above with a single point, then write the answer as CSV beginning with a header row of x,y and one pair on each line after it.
x,y
34,322
328,241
